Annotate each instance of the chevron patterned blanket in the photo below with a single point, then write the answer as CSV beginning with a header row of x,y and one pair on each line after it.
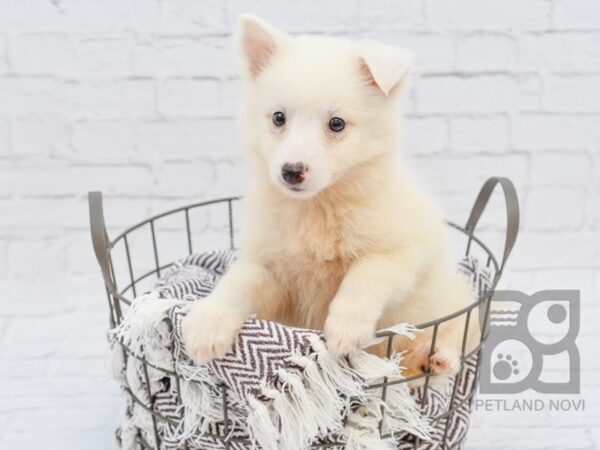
x,y
277,389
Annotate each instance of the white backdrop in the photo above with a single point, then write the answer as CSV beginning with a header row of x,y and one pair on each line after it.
x,y
137,98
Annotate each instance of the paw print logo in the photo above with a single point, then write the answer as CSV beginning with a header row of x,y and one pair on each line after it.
x,y
524,331
505,367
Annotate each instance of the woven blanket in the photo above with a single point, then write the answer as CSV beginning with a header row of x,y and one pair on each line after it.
x,y
277,389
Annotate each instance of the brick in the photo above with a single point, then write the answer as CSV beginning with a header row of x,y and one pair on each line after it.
x,y
64,327
40,135
390,14
42,53
484,93
230,177
3,262
308,16
121,212
187,138
576,14
541,211
146,16
564,278
183,56
197,17
560,51
425,135
30,299
69,386
595,434
3,54
48,263
231,95
77,367
105,55
59,419
47,180
596,165
407,103
538,131
467,176
480,134
589,328
112,15
199,176
563,169
531,437
94,140
5,146
28,403
114,98
56,440
572,93
546,251
194,97
489,15
594,209
35,15
486,52
30,214
37,95
24,369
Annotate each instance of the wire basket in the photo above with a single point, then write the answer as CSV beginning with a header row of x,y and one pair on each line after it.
x,y
125,282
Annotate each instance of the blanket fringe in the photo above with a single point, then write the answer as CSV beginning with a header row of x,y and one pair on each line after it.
x,y
260,426
316,394
316,401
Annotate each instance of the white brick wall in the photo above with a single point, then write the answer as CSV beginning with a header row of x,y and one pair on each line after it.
x,y
138,98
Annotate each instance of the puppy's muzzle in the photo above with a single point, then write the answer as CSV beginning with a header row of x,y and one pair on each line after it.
x,y
293,173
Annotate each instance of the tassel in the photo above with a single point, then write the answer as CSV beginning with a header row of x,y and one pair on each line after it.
x,y
328,404
371,367
260,426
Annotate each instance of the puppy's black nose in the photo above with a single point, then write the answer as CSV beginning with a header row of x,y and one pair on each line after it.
x,y
293,173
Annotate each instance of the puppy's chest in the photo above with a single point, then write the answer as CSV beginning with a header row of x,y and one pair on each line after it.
x,y
316,240
311,254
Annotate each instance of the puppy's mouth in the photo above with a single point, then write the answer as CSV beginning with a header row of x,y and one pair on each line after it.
x,y
298,192
291,187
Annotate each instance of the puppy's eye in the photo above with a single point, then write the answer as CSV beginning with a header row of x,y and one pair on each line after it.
x,y
278,118
336,124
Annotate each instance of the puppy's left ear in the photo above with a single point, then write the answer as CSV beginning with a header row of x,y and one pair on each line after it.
x,y
386,68
259,43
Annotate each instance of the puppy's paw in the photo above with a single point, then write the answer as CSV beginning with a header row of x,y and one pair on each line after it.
x,y
210,330
345,334
443,361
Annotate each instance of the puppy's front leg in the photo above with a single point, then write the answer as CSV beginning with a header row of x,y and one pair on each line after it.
x,y
212,325
370,283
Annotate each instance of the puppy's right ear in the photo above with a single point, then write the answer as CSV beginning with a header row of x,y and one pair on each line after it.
x,y
386,68
258,42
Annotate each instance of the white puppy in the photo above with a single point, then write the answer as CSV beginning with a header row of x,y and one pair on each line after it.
x,y
337,237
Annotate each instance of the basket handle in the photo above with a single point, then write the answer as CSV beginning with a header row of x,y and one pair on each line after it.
x,y
512,212
100,238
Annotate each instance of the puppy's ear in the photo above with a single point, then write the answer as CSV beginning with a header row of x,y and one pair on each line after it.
x,y
258,42
386,68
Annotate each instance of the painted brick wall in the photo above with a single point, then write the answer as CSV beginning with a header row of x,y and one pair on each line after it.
x,y
138,98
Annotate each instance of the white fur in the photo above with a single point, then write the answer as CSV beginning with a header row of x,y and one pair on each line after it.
x,y
359,247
